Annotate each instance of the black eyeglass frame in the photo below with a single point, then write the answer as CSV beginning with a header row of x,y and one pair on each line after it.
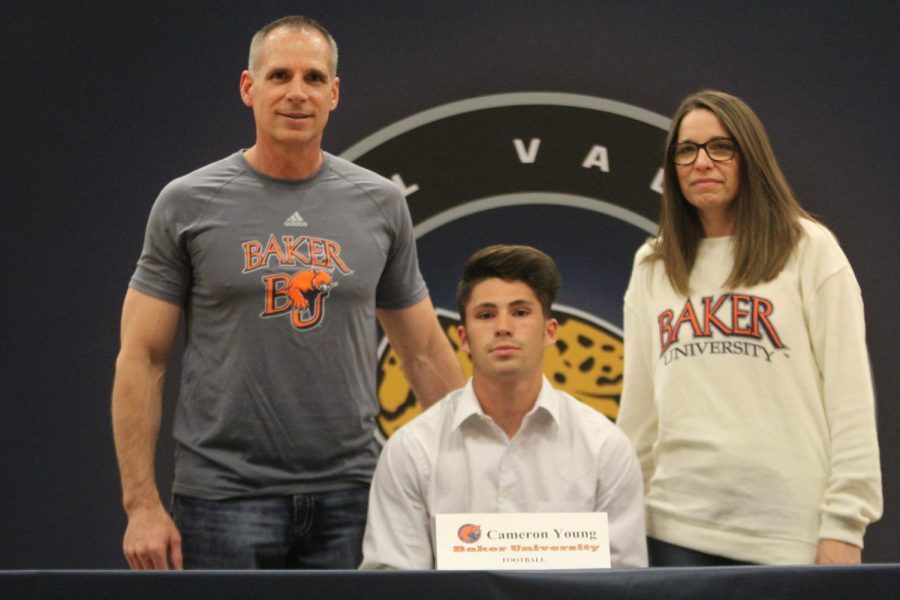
x,y
703,147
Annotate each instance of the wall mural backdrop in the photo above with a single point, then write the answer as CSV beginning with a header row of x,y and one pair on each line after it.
x,y
576,176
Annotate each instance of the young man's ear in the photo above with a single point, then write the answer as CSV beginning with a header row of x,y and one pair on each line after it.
x,y
551,331
463,339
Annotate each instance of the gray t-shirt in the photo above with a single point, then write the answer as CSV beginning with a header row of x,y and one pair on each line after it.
x,y
279,281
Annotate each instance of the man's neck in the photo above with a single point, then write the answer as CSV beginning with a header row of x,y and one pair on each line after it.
x,y
507,402
293,164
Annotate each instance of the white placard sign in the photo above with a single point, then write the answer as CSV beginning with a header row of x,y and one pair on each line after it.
x,y
471,541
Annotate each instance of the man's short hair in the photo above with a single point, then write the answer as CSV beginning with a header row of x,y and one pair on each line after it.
x,y
511,263
299,22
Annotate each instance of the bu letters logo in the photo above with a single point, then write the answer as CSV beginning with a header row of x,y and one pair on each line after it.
x,y
301,293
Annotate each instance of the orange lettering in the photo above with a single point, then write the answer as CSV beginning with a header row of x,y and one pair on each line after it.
x,y
273,248
709,316
333,250
737,314
667,335
762,308
688,315
276,288
252,257
292,247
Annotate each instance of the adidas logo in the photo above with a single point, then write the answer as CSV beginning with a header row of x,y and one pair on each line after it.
x,y
295,220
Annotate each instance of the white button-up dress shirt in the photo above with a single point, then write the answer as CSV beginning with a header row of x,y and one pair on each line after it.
x,y
566,457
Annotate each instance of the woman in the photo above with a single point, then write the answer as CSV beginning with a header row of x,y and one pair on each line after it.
x,y
747,391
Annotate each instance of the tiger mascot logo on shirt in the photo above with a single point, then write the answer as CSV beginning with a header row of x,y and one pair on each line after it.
x,y
578,177
307,287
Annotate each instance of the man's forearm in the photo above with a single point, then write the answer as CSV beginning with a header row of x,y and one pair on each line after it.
x,y
136,416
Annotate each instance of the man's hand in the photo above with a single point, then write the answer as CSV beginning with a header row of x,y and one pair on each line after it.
x,y
151,540
833,552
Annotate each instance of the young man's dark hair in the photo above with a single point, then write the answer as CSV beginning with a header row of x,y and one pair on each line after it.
x,y
511,263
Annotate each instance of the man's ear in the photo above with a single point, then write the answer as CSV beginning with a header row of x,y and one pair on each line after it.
x,y
335,92
246,84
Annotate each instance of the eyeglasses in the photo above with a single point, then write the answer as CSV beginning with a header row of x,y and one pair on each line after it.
x,y
717,149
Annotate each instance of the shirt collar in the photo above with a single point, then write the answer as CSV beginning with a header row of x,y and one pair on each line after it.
x,y
468,406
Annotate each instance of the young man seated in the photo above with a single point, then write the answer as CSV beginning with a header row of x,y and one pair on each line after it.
x,y
507,441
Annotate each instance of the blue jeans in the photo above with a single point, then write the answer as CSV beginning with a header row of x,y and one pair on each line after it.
x,y
664,554
305,531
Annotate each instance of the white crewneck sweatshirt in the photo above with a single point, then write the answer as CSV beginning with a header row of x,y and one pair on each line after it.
x,y
752,410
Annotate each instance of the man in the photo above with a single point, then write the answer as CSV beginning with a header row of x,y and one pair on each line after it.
x,y
281,257
508,441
